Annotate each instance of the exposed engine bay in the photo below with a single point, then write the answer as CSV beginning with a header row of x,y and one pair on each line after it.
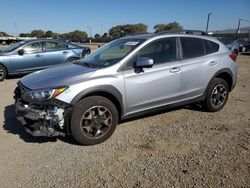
x,y
40,119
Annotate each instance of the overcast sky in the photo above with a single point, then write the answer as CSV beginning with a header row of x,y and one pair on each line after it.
x,y
61,16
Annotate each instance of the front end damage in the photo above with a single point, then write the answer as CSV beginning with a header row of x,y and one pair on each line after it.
x,y
45,118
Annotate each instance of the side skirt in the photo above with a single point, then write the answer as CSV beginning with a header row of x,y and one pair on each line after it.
x,y
161,108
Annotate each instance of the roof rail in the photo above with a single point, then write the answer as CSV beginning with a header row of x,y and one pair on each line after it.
x,y
184,31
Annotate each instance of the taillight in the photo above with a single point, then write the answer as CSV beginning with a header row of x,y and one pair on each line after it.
x,y
233,56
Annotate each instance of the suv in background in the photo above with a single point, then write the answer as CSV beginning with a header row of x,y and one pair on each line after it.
x,y
127,77
32,55
244,44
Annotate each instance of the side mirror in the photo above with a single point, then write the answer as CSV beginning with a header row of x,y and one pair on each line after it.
x,y
20,52
144,62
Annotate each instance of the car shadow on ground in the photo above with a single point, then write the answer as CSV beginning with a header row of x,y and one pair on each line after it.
x,y
15,76
13,126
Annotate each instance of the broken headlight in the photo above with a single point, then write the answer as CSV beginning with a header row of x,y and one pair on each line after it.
x,y
43,94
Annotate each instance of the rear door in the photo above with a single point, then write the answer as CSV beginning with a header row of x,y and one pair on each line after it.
x,y
198,65
31,60
55,53
154,86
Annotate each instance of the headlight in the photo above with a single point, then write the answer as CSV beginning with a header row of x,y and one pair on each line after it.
x,y
43,94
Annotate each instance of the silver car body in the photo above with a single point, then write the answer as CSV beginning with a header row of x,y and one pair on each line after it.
x,y
163,84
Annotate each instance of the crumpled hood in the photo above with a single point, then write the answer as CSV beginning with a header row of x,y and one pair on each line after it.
x,y
64,75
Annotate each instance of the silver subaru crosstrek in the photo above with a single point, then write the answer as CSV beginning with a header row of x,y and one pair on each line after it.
x,y
131,76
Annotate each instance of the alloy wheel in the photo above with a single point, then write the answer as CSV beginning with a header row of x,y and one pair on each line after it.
x,y
1,72
219,95
96,122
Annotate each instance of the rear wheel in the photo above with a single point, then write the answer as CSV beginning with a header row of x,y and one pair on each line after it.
x,y
3,73
236,52
93,120
217,95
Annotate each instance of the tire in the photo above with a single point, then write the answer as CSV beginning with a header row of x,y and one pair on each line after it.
x,y
236,52
3,73
73,60
88,52
93,120
217,95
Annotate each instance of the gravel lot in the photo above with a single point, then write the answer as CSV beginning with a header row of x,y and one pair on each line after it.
x,y
180,148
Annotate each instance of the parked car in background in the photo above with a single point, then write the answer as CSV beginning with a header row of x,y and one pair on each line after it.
x,y
130,76
244,44
32,55
229,42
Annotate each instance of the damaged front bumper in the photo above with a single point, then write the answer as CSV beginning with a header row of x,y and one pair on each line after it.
x,y
46,119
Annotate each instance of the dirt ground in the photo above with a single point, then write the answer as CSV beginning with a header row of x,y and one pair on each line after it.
x,y
179,148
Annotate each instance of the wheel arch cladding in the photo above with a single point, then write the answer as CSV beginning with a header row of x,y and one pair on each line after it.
x,y
226,75
106,91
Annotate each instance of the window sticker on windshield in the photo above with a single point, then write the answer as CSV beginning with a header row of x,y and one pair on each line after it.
x,y
131,43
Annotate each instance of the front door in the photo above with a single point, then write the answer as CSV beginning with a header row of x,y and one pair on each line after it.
x,y
156,86
31,60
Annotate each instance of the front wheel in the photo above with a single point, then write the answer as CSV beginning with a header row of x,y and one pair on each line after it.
x,y
3,73
217,95
93,120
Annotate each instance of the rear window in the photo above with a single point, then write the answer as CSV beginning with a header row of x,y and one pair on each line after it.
x,y
192,47
211,47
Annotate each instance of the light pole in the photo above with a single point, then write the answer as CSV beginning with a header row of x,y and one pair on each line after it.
x,y
89,27
208,18
238,28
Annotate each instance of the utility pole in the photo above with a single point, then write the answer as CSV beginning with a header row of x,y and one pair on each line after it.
x,y
89,33
208,18
238,28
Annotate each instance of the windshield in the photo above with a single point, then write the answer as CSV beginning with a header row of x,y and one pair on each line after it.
x,y
13,46
110,53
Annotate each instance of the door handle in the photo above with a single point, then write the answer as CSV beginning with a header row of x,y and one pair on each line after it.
x,y
65,52
212,63
39,55
175,69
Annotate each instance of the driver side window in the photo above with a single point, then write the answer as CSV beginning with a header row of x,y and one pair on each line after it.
x,y
161,51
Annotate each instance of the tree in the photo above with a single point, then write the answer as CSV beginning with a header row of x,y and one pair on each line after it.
x,y
24,35
169,26
97,35
128,29
3,34
76,35
49,34
105,35
37,33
